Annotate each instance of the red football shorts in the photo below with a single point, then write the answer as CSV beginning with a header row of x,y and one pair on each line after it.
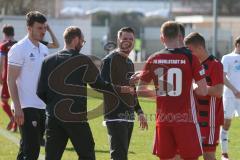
x,y
182,139
210,138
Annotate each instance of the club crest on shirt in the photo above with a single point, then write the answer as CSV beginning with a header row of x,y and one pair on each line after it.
x,y
34,123
237,67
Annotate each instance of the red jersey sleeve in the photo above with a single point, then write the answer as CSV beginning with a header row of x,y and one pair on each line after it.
x,y
147,72
217,77
3,51
197,69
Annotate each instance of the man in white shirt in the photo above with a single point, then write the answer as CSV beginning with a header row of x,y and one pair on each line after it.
x,y
24,64
231,94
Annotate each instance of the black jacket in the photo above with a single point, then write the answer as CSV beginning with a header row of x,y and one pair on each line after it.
x,y
62,84
117,70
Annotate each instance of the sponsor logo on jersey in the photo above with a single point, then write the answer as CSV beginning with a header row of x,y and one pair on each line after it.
x,y
202,72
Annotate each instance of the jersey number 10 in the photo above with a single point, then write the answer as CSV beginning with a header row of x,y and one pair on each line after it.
x,y
174,82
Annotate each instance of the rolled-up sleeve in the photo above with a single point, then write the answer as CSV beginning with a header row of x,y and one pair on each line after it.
x,y
15,57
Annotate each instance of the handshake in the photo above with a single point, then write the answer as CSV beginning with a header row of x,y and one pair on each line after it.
x,y
132,81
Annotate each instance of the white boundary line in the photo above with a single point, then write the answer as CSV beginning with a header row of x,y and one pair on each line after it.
x,y
15,140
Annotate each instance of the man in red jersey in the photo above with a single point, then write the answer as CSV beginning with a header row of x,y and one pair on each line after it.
x,y
172,71
8,36
210,107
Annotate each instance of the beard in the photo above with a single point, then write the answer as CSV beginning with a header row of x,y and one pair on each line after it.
x,y
78,48
126,46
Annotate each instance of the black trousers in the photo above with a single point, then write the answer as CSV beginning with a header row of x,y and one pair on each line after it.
x,y
119,134
31,133
58,133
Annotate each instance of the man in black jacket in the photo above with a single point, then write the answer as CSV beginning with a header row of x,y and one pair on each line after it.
x,y
117,69
63,87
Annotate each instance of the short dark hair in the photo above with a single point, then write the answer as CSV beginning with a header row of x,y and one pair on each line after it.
x,y
35,16
70,33
170,29
8,30
125,29
237,41
195,38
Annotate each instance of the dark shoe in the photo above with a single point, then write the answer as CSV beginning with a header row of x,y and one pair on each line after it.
x,y
225,156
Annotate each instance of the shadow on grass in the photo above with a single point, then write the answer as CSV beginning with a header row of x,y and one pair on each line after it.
x,y
71,149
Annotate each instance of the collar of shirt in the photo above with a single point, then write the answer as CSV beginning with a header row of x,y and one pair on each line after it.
x,y
69,51
31,44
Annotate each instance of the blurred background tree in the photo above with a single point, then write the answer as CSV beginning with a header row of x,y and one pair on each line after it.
x,y
21,7
101,18
229,7
131,19
48,7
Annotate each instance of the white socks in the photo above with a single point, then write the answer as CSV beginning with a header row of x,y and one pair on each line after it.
x,y
224,140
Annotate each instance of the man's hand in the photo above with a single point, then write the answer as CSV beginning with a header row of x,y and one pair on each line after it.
x,y
143,121
128,89
19,116
47,27
135,78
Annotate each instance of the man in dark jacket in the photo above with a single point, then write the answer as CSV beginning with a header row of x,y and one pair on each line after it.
x,y
63,87
117,69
